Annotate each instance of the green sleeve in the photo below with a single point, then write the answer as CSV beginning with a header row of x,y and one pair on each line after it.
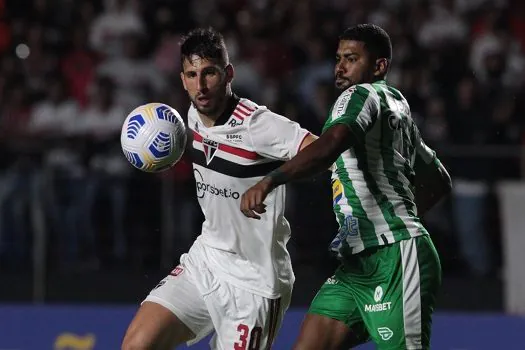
x,y
357,108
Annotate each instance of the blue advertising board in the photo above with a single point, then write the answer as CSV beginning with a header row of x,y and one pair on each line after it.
x,y
102,327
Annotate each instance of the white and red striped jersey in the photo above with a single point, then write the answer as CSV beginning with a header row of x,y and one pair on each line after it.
x,y
246,143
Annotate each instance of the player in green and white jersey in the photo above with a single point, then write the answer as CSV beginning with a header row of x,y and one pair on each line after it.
x,y
384,178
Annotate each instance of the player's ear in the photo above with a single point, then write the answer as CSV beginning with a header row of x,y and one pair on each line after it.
x,y
381,67
183,81
229,73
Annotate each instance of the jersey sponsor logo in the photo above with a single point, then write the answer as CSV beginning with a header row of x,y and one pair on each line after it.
x,y
234,137
210,148
235,122
399,110
378,307
378,294
351,226
332,280
347,228
342,103
394,121
337,190
385,333
203,188
177,271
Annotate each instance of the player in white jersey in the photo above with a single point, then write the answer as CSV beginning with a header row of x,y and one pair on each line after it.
x,y
383,178
237,278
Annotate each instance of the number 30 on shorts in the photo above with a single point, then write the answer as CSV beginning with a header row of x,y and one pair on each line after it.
x,y
254,338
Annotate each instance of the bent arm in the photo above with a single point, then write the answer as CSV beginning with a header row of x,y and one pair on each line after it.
x,y
432,184
314,157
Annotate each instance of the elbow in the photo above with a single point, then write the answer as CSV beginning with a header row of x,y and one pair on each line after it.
x,y
446,181
448,185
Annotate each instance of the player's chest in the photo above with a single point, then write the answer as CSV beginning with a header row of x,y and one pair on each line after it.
x,y
227,150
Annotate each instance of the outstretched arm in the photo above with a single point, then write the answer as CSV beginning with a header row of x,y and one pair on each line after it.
x,y
349,119
313,159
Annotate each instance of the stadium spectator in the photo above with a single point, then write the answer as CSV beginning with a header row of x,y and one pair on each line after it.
x,y
101,123
79,65
53,121
136,77
118,18
461,64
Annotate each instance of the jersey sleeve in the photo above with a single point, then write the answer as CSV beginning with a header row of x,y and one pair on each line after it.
x,y
427,154
274,136
357,108
192,121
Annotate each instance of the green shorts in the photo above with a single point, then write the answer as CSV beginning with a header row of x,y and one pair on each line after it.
x,y
386,294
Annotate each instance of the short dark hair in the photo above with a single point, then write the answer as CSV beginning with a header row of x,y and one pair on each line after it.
x,y
205,43
376,39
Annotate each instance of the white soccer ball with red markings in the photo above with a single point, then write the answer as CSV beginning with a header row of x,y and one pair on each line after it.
x,y
153,137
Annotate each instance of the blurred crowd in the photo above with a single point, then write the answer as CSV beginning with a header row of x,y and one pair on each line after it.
x,y
70,71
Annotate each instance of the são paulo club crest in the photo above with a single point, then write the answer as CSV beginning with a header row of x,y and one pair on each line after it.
x,y
210,147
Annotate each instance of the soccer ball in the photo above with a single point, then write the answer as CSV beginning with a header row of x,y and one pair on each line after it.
x,y
153,137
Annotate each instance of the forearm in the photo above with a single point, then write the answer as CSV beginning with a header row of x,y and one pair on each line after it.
x,y
302,166
315,158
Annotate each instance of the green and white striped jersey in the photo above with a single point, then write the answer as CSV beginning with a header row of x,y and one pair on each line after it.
x,y
373,181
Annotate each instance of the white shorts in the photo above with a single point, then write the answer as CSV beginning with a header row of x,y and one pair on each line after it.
x,y
240,319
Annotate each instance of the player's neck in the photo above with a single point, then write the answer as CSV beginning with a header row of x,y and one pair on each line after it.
x,y
208,120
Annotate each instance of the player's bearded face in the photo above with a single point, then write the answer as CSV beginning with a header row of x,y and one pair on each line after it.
x,y
352,64
205,82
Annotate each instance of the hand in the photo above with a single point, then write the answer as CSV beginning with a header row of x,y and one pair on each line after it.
x,y
252,200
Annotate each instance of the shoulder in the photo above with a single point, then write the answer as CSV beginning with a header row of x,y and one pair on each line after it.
x,y
247,110
369,91
248,105
263,117
191,112
361,91
192,117
251,111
